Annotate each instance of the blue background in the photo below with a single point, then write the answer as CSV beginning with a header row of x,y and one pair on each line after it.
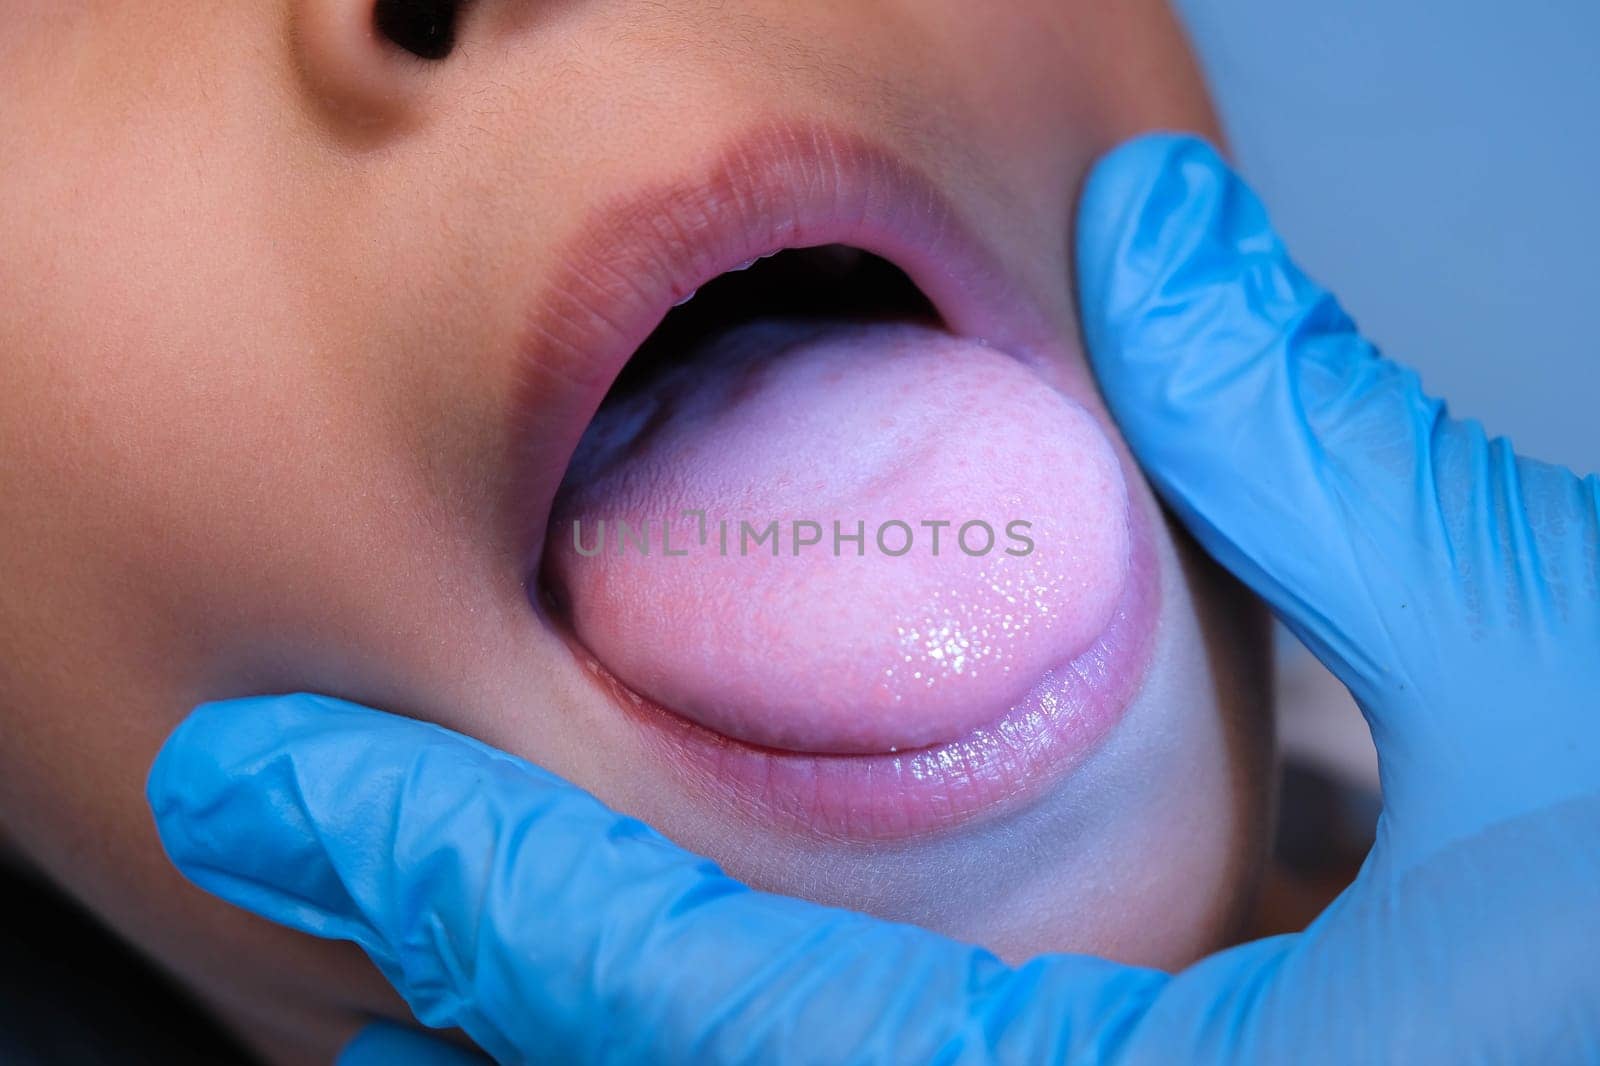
x,y
1437,165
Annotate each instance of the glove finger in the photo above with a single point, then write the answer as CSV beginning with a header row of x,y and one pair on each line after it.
x,y
625,949
1445,581
352,825
1296,451
1224,365
383,1044
502,901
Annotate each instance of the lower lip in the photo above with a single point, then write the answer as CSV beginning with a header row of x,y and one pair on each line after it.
x,y
894,795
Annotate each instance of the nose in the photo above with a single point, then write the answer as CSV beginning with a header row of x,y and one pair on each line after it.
x,y
365,63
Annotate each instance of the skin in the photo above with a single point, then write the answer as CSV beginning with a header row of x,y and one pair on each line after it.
x,y
265,279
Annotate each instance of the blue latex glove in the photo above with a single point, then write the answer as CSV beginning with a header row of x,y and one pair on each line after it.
x,y
1450,584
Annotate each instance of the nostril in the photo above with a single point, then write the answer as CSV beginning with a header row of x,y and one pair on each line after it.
x,y
368,65
425,28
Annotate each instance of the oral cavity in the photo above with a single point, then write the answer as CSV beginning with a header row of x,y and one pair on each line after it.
x,y
840,538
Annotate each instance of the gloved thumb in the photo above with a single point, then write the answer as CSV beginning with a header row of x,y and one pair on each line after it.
x,y
1387,536
1263,418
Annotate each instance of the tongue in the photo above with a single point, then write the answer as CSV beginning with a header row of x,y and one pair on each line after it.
x,y
902,531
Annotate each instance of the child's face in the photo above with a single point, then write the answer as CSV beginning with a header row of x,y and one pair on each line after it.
x,y
300,332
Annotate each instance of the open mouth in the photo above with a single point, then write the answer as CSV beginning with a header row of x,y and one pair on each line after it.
x,y
833,281
853,569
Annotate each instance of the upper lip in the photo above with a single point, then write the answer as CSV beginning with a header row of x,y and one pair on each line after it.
x,y
774,187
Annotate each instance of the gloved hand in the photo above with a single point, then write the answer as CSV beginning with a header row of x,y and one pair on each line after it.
x,y
1450,584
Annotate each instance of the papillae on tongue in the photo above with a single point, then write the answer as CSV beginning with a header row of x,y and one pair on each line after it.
x,y
840,645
